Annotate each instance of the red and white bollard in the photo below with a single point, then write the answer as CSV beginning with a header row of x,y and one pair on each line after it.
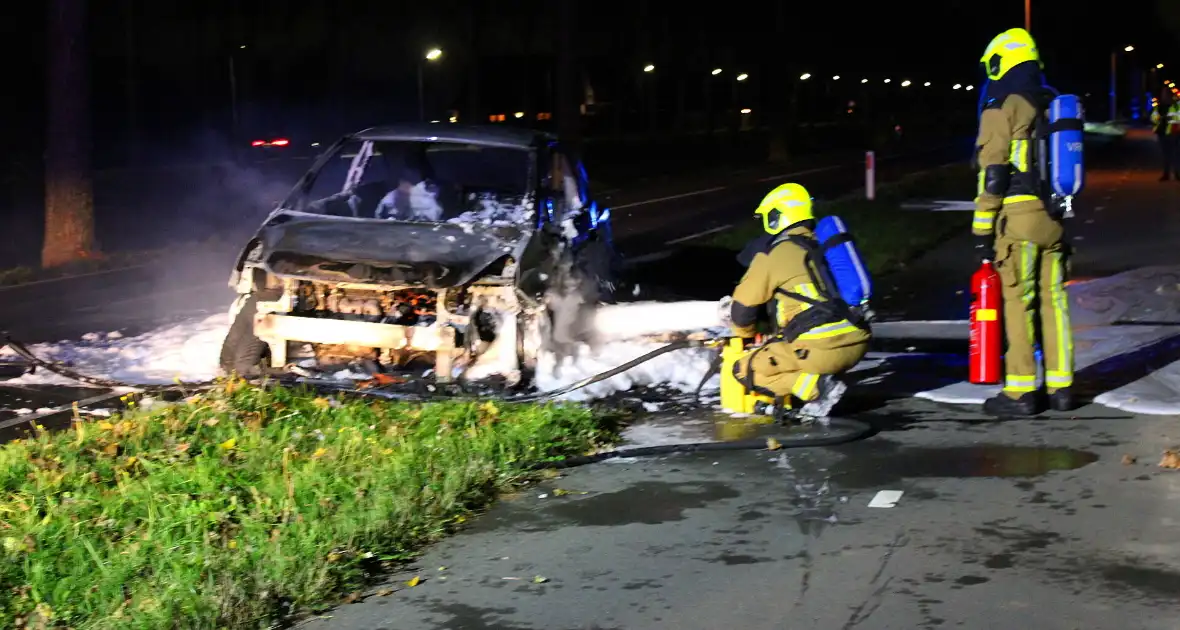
x,y
870,175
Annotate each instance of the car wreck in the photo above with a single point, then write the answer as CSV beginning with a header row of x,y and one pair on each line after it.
x,y
463,251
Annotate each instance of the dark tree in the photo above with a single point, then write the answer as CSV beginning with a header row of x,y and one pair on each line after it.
x,y
1169,12
69,197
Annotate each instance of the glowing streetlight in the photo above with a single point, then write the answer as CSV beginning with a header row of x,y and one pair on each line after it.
x,y
926,84
905,83
969,88
888,80
864,80
1129,49
743,76
746,110
519,114
431,55
805,76
1159,66
716,71
836,78
649,68
957,86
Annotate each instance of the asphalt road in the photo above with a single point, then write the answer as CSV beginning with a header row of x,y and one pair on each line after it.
x,y
1033,524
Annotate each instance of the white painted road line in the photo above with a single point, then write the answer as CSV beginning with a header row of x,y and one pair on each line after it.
x,y
810,171
698,234
668,198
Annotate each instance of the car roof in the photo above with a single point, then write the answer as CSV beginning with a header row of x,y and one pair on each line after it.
x,y
487,135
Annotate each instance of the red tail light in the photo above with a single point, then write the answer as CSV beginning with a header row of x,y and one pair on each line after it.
x,y
257,143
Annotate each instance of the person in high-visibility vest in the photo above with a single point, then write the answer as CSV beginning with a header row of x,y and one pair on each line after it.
x,y
1166,120
1015,230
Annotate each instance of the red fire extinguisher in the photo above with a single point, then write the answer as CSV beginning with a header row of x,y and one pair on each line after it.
x,y
985,326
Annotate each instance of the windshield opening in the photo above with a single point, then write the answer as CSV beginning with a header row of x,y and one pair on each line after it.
x,y
425,182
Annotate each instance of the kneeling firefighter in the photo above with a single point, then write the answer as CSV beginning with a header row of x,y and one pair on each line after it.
x,y
815,334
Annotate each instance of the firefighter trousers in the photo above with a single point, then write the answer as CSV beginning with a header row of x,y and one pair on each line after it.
x,y
779,369
1032,262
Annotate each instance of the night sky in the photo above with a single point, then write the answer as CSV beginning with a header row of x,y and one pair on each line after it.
x,y
319,67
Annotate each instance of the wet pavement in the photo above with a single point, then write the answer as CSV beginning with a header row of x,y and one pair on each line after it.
x,y
1034,524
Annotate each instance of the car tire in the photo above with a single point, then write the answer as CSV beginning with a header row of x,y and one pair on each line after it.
x,y
242,353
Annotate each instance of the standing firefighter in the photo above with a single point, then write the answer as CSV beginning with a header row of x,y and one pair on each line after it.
x,y
1166,121
1016,230
815,334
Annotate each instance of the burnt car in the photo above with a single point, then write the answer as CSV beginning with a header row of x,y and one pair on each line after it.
x,y
464,248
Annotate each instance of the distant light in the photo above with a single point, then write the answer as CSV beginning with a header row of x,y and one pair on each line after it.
x,y
746,110
315,144
242,47
716,71
836,78
519,114
743,76
649,68
805,76
888,80
1159,66
969,88
1129,49
435,122
905,83
927,84
864,80
257,143
957,86
433,54
281,142
454,119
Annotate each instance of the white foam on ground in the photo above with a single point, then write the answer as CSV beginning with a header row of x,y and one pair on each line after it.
x,y
187,351
621,321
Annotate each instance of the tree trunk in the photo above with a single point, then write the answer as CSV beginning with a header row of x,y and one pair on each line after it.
x,y
69,196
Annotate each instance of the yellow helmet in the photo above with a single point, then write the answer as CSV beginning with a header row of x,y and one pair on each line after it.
x,y
1009,49
783,207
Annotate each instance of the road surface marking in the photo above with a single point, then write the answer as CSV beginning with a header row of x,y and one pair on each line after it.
x,y
698,234
809,171
886,499
668,198
74,277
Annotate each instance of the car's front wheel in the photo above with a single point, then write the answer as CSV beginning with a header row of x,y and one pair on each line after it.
x,y
242,353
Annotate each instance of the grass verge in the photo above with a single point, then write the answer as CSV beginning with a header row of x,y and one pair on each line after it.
x,y
246,504
886,234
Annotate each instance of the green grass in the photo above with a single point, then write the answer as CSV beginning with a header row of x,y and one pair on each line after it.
x,y
886,234
227,510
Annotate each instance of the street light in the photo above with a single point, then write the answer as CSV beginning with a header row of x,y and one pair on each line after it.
x,y
957,86
905,83
836,78
716,71
864,80
1159,66
888,80
649,68
431,55
743,76
927,84
1129,49
805,76
969,88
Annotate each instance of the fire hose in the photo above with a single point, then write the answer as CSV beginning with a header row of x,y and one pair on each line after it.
x,y
837,430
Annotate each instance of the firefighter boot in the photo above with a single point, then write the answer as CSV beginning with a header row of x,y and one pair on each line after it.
x,y
830,392
1062,400
1003,406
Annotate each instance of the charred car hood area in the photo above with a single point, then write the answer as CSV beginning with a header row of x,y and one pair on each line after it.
x,y
430,255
